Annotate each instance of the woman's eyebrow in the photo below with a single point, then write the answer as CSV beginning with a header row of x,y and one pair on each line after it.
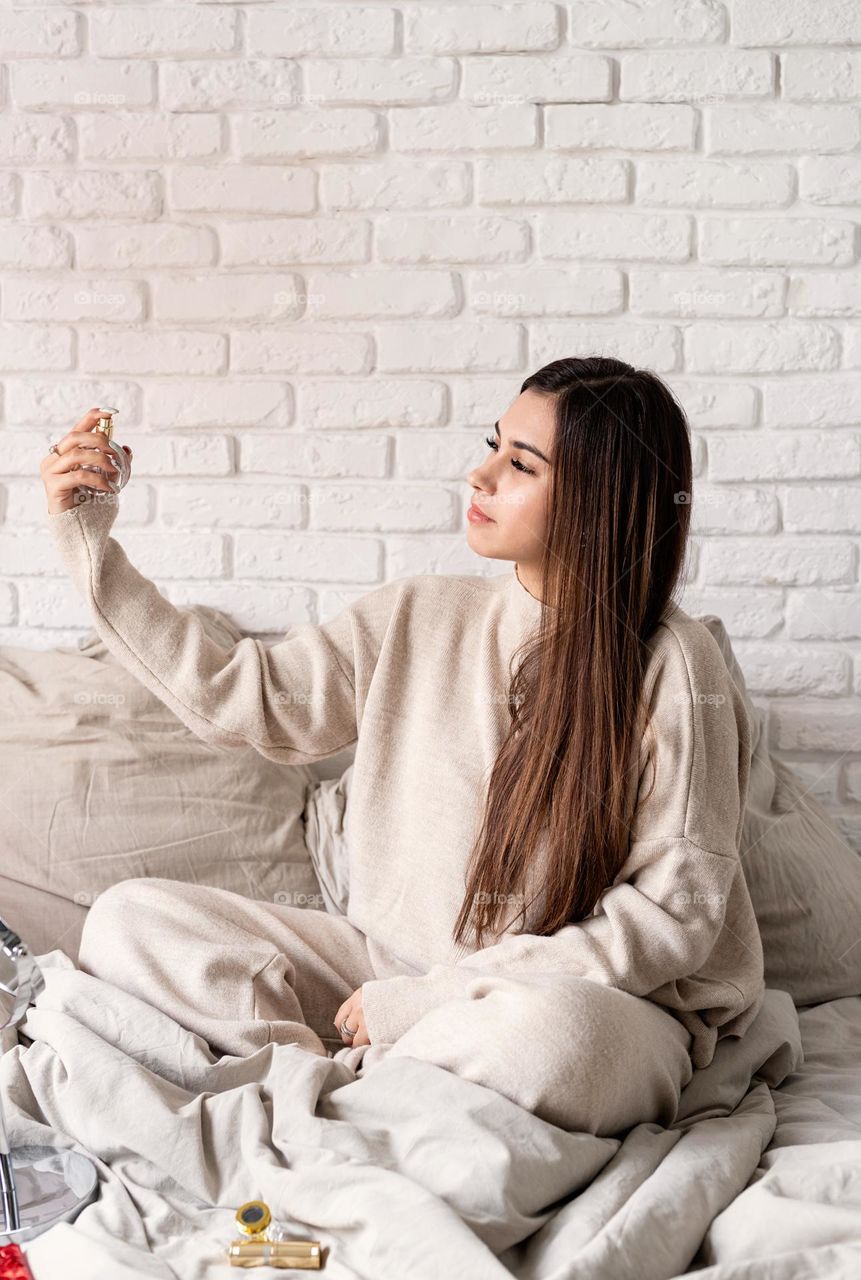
x,y
521,444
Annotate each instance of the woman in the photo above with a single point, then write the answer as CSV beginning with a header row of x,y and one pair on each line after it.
x,y
550,773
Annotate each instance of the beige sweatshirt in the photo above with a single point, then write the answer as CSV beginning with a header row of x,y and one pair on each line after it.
x,y
415,674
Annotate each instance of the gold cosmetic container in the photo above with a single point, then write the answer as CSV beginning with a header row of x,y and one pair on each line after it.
x,y
257,1250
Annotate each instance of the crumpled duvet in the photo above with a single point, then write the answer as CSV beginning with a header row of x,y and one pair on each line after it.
x,y
406,1172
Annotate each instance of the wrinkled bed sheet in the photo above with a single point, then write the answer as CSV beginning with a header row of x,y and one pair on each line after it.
x,y
408,1171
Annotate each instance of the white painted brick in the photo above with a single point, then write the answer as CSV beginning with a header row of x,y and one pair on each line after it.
x,y
300,351
297,453
253,608
852,346
785,670
781,127
43,33
92,193
347,295
164,555
438,455
702,76
371,402
552,179
481,401
458,345
546,291
143,246
815,726
10,187
35,139
305,132
38,349
289,241
813,402
241,189
230,505
44,247
461,126
778,561
556,77
151,351
66,637
652,346
62,403
348,31
23,451
716,404
618,24
819,779
754,614
142,135
635,127
393,185
782,22
714,184
82,83
783,455
638,237
481,28
307,557
386,81
458,238
766,347
28,553
379,508
694,292
42,603
830,179
720,509
217,403
227,298
825,293
72,299
815,75
132,32
8,603
776,240
825,508
189,455
228,84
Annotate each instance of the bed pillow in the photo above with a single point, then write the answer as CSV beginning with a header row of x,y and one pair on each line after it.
x,y
102,782
804,879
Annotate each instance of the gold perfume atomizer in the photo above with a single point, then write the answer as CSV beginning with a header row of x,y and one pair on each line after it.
x,y
258,1250
119,456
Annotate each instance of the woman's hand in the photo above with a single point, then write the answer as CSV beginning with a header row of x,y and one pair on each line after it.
x,y
61,471
353,1014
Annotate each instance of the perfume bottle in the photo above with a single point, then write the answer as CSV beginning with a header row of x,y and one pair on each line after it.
x,y
105,425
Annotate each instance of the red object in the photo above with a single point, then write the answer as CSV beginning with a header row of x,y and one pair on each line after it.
x,y
13,1263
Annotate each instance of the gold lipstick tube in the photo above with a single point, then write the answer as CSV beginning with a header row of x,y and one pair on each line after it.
x,y
303,1254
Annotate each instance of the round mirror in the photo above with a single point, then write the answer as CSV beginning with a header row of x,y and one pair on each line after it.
x,y
38,1185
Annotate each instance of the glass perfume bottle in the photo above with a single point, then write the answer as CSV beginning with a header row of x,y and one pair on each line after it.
x,y
105,425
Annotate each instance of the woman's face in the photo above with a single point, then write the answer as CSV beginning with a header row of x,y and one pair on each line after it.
x,y
511,484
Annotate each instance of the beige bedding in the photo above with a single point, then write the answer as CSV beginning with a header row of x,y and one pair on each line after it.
x,y
408,1171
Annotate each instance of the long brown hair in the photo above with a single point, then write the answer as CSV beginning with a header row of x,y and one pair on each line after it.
x,y
564,780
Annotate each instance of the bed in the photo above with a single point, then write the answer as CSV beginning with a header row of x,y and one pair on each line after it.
x,y
405,1170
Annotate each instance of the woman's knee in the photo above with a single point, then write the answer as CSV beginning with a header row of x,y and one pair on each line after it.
x,y
119,914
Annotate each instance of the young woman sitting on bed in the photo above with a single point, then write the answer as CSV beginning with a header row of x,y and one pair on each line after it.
x,y
550,773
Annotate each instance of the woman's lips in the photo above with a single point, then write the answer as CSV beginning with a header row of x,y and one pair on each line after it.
x,y
476,516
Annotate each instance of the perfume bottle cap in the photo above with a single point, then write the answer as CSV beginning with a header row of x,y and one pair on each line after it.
x,y
105,422
253,1217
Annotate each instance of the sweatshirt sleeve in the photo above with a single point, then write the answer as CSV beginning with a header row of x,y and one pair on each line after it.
x,y
295,701
661,919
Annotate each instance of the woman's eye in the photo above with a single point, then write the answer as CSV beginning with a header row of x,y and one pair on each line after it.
x,y
515,462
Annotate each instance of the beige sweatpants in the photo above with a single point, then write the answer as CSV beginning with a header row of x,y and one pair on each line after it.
x,y
243,974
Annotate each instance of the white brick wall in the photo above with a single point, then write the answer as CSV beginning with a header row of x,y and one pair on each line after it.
x,y
311,250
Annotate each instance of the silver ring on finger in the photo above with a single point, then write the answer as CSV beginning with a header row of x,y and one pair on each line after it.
x,y
345,1030
53,449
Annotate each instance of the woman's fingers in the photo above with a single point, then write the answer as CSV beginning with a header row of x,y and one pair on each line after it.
x,y
82,456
